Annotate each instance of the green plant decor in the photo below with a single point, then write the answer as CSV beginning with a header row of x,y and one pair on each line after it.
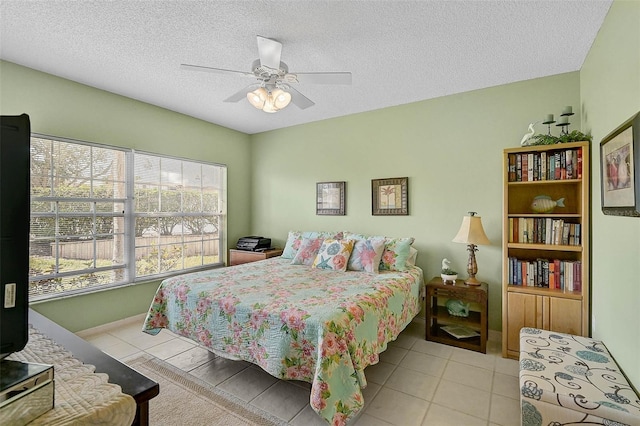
x,y
574,136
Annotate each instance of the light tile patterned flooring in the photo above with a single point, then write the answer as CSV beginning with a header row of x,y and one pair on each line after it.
x,y
415,383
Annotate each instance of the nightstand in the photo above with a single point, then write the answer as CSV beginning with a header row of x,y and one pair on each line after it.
x,y
237,257
438,316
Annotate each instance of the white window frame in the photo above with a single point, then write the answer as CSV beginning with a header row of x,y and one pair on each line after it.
x,y
129,216
221,217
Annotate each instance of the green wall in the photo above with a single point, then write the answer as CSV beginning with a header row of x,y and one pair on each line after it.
x,y
450,148
610,91
60,107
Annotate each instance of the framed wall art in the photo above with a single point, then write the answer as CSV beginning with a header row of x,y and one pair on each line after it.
x,y
390,197
330,198
619,159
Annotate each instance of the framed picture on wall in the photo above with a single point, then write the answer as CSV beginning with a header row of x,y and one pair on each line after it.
x,y
330,198
390,197
619,159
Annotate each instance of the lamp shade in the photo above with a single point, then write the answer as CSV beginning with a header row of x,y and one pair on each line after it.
x,y
280,98
258,97
471,232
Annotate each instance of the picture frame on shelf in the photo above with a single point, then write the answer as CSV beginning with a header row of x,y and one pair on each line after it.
x,y
330,198
390,196
620,178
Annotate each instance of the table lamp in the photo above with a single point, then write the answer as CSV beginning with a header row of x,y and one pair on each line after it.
x,y
472,234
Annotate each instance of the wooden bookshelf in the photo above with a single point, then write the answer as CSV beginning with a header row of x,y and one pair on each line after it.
x,y
539,297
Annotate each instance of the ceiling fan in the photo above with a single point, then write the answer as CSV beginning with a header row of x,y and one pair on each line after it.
x,y
273,91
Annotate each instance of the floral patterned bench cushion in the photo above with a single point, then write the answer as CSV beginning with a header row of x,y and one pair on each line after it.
x,y
575,373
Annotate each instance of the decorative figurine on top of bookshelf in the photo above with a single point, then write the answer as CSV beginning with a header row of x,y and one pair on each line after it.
x,y
527,138
549,121
544,204
549,139
564,120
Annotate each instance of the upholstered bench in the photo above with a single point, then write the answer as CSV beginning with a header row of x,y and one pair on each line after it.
x,y
566,379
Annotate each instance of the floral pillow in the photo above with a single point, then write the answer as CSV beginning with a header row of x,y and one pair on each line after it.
x,y
334,255
294,240
395,255
366,254
291,247
307,252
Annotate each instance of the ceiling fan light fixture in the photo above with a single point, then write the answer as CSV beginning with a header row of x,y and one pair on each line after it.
x,y
274,82
258,97
268,107
280,98
269,100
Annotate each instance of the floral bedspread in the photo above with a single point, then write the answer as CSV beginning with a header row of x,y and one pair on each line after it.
x,y
294,321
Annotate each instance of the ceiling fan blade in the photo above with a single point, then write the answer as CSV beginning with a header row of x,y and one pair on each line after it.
x,y
242,93
270,52
319,78
300,100
214,70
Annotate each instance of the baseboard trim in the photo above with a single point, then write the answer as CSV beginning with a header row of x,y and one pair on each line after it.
x,y
105,328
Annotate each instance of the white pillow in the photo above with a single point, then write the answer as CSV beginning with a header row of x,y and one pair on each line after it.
x,y
413,253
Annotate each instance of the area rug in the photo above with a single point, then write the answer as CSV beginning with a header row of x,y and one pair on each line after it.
x,y
186,400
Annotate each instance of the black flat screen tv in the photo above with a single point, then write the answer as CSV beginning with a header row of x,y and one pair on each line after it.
x,y
14,232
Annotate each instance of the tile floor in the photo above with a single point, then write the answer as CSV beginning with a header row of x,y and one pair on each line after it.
x,y
415,383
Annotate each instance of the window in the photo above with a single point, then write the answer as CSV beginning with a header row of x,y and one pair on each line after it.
x,y
177,214
104,216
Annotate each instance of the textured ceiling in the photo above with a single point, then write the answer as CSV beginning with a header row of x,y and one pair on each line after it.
x,y
398,51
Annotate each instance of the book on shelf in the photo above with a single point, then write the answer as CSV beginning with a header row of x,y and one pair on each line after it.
x,y
579,165
553,274
534,166
543,230
537,166
512,168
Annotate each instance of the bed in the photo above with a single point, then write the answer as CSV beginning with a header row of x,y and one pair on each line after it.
x,y
296,320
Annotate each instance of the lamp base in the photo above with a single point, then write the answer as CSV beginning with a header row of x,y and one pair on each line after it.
x,y
472,266
472,281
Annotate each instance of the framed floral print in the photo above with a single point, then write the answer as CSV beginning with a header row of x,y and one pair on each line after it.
x,y
619,159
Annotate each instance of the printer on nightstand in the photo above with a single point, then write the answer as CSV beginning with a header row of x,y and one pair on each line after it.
x,y
253,243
